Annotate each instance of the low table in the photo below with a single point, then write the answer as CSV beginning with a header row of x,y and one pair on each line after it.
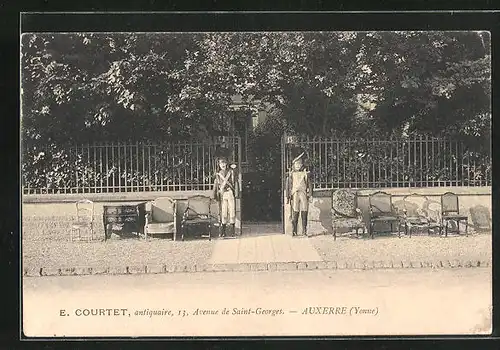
x,y
125,220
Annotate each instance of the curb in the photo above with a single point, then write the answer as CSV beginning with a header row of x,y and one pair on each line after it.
x,y
254,267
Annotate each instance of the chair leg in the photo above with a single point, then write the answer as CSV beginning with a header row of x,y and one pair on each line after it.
x,y
209,232
334,233
467,228
446,229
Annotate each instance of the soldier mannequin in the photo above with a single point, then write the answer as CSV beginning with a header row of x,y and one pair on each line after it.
x,y
226,191
298,193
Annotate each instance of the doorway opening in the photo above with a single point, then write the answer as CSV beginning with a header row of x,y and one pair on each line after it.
x,y
261,196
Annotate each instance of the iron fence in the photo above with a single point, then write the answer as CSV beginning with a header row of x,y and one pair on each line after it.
x,y
124,167
415,162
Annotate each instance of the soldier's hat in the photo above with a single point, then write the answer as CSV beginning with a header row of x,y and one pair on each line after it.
x,y
297,153
222,154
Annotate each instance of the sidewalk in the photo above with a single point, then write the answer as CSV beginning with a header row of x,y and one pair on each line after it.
x,y
269,251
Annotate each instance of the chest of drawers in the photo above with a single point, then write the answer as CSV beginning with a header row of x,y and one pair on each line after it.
x,y
124,220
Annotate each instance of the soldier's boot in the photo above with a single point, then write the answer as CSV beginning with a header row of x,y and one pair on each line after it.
x,y
222,233
303,215
232,230
295,220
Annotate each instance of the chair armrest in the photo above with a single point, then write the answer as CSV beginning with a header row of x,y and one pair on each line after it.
x,y
175,214
185,214
402,212
395,210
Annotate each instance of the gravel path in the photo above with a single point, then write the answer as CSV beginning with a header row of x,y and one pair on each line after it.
x,y
416,248
129,252
138,252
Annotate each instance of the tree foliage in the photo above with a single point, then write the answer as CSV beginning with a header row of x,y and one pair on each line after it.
x,y
107,86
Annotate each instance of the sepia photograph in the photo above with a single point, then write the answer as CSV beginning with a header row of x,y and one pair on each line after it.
x,y
249,184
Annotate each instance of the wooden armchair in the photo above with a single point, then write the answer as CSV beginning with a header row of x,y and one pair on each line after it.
x,y
382,211
198,214
450,211
416,215
345,212
161,217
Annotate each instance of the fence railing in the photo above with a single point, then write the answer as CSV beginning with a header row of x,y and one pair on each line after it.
x,y
124,167
415,162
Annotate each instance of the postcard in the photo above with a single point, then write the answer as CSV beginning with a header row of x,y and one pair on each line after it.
x,y
229,184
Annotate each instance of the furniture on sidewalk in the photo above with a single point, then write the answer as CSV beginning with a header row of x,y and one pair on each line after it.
x,y
161,217
450,211
198,215
382,211
125,220
345,212
84,220
415,214
481,218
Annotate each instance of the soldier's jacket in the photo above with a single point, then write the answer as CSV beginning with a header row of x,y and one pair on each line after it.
x,y
229,180
289,185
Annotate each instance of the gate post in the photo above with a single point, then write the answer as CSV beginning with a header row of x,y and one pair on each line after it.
x,y
283,179
285,209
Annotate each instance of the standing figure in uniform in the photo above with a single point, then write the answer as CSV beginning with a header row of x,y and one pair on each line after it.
x,y
298,193
226,191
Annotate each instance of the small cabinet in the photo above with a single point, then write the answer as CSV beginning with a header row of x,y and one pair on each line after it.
x,y
124,220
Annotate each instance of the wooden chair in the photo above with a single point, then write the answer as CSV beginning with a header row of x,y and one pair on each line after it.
x,y
345,212
84,220
198,214
161,217
450,211
415,214
382,211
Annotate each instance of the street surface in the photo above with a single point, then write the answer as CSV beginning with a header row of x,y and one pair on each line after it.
x,y
321,302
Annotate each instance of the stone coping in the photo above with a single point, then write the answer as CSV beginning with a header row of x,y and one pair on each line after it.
x,y
254,267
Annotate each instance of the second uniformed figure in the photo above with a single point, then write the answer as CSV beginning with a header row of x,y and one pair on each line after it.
x,y
226,191
298,192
